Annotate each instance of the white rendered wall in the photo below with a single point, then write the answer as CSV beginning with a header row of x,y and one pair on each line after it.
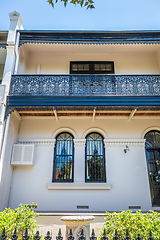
x,y
11,135
126,172
7,138
125,63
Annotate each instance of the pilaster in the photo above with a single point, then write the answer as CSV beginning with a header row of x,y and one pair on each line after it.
x,y
12,47
79,160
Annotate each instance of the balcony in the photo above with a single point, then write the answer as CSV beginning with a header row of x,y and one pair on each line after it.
x,y
85,85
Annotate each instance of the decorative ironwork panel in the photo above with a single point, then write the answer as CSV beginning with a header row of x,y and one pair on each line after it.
x,y
153,162
95,159
63,160
84,85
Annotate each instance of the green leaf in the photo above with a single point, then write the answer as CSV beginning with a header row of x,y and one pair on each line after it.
x,y
51,2
81,3
88,3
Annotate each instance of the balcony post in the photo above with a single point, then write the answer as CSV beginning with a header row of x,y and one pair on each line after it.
x,y
12,47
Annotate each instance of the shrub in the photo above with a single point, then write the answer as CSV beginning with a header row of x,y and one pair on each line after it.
x,y
134,222
21,218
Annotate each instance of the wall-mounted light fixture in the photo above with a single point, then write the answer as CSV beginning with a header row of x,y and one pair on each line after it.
x,y
126,149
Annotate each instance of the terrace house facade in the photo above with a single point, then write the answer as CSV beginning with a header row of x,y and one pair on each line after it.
x,y
81,128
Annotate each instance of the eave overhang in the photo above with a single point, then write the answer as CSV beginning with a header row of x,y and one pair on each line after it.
x,y
86,106
89,37
84,101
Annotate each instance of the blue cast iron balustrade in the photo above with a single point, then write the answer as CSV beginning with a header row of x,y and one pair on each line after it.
x,y
84,85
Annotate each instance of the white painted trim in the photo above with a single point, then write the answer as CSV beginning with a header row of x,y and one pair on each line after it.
x,y
89,117
132,114
71,213
123,142
38,68
98,130
149,129
78,186
17,115
48,142
85,111
79,142
64,129
94,114
3,149
55,114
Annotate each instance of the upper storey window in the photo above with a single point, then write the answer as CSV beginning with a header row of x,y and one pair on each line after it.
x,y
102,67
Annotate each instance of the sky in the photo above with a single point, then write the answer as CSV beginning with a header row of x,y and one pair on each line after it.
x,y
107,15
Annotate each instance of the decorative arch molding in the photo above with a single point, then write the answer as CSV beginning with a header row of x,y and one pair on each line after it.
x,y
64,129
98,130
149,129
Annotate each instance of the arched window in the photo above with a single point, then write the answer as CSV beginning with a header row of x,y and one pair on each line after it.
x,y
95,159
63,158
153,162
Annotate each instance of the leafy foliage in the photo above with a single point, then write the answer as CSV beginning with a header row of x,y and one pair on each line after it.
x,y
88,4
21,218
134,222
95,166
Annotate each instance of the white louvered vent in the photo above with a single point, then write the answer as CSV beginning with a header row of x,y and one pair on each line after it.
x,y
17,153
22,154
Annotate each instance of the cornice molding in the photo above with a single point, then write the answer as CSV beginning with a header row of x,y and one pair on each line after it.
x,y
82,142
83,42
124,142
90,37
44,142
79,142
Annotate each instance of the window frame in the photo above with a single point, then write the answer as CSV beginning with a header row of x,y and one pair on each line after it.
x,y
54,161
104,161
91,67
150,172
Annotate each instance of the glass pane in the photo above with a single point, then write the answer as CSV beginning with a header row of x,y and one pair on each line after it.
x,y
108,67
153,162
153,139
63,158
80,67
86,67
103,67
95,162
96,67
74,67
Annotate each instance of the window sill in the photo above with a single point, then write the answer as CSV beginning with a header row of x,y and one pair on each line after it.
x,y
79,186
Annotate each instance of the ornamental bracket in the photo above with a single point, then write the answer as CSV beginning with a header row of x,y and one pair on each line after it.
x,y
55,114
132,114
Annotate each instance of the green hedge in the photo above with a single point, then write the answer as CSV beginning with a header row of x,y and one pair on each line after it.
x,y
134,222
21,218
